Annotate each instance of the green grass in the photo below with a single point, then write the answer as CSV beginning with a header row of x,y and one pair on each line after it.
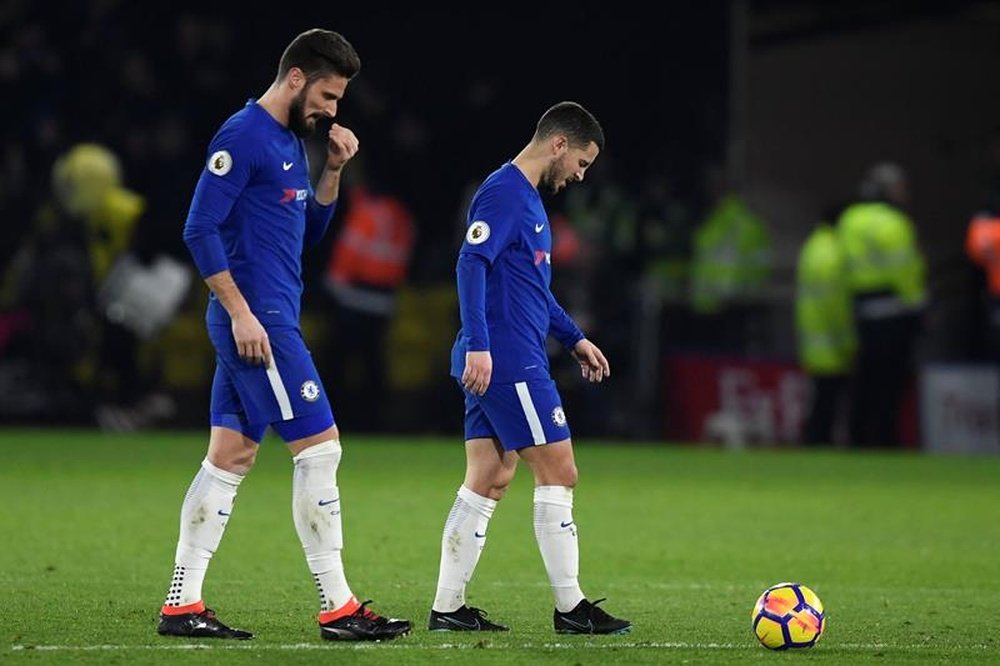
x,y
901,548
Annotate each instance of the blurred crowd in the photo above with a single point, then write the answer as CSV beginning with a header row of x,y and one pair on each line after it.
x,y
100,311
99,157
95,173
90,76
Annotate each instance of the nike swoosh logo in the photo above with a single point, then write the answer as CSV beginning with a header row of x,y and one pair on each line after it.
x,y
566,524
459,623
222,513
287,165
326,502
588,627
480,536
538,228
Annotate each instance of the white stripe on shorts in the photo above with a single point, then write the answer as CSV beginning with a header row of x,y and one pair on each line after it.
x,y
534,423
280,394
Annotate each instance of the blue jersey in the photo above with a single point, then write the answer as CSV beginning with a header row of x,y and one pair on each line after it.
x,y
252,212
504,272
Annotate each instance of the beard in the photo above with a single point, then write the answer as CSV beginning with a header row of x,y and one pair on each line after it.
x,y
549,182
297,121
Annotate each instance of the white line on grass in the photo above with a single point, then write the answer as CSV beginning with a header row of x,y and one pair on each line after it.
x,y
467,646
371,645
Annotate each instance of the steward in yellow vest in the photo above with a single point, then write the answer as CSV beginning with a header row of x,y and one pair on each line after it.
x,y
825,329
886,275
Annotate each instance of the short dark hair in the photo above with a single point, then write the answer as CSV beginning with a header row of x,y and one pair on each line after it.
x,y
320,53
571,119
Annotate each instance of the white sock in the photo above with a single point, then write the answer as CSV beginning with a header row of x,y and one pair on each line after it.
x,y
316,511
556,535
204,514
461,545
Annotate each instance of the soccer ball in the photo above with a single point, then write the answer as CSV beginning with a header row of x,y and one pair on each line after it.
x,y
788,615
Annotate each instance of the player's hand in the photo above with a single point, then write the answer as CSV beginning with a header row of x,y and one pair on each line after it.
x,y
593,366
341,146
251,340
478,372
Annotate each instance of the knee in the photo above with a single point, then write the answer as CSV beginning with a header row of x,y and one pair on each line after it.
x,y
329,452
238,462
561,475
498,489
501,482
493,486
568,476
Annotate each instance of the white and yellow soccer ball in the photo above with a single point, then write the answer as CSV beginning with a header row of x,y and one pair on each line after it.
x,y
788,615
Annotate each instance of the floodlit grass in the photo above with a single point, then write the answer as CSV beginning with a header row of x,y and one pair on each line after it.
x,y
902,549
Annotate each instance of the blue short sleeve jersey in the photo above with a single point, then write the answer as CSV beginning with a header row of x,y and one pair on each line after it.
x,y
252,209
508,239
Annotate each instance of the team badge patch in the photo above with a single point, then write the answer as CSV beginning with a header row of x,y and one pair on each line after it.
x,y
220,162
309,391
559,416
478,232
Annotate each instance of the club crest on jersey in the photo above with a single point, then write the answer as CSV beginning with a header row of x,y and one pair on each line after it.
x,y
292,194
541,256
309,391
559,416
220,162
478,232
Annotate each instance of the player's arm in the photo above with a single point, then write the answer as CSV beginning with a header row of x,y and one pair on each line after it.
x,y
220,184
490,231
594,366
471,277
341,146
248,333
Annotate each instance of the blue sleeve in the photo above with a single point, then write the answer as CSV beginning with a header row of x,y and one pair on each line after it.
x,y
318,219
561,325
226,173
471,272
492,223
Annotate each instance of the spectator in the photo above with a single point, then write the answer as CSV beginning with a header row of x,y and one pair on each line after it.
x,y
825,327
885,273
982,247
367,267
982,244
730,266
75,281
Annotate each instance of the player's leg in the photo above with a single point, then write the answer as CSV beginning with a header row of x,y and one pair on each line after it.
x,y
205,513
550,457
489,469
316,511
314,442
554,469
488,472
244,400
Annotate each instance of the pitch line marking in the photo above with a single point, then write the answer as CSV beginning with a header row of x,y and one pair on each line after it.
x,y
468,646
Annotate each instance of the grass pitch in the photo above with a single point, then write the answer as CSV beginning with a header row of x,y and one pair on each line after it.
x,y
902,549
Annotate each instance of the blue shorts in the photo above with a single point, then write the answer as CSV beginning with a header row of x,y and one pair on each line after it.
x,y
288,396
519,415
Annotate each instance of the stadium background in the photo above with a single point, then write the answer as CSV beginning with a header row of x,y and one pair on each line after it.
x,y
792,99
